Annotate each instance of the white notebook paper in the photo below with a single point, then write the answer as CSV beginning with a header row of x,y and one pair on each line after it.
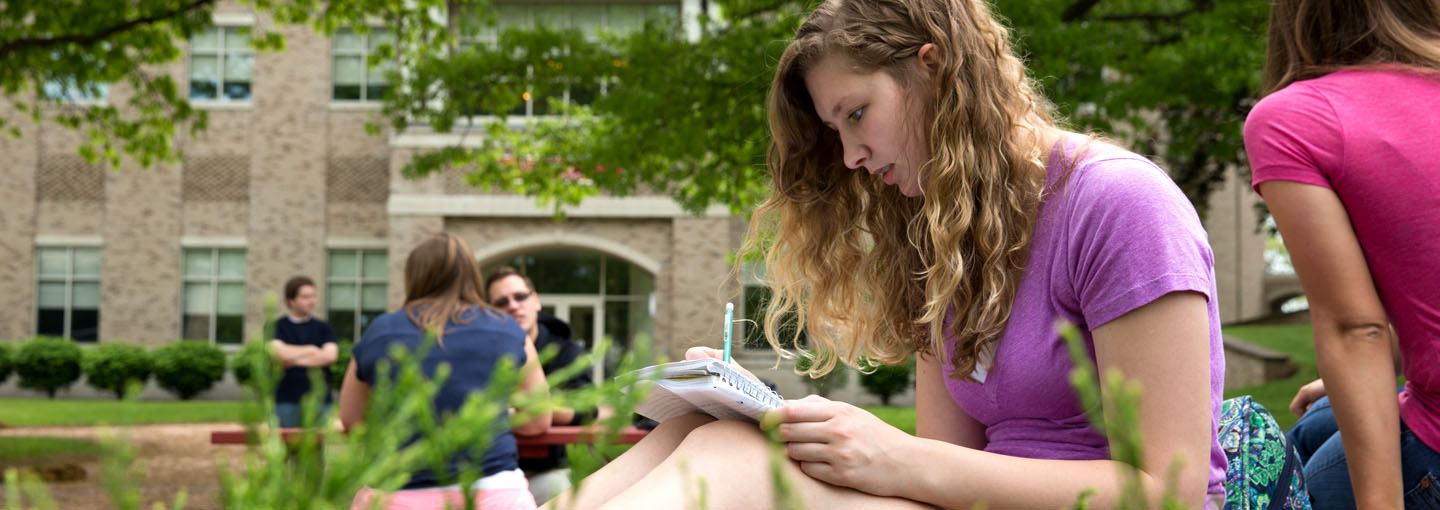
x,y
703,386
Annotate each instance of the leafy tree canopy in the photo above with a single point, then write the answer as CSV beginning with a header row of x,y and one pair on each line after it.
x,y
683,108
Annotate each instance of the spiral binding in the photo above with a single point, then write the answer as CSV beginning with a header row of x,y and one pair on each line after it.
x,y
747,386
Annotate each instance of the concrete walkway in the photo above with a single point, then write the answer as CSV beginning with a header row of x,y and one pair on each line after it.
x,y
172,456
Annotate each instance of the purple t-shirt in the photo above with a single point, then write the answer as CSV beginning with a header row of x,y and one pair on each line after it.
x,y
1370,137
1117,235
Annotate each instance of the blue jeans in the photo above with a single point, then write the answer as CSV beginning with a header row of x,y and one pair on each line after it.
x,y
1327,475
1313,429
289,414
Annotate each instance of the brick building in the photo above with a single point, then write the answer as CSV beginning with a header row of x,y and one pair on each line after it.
x,y
286,182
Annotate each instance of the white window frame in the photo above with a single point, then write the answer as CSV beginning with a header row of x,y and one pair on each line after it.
x,y
560,304
69,94
359,280
69,280
364,54
517,121
214,280
224,24
752,276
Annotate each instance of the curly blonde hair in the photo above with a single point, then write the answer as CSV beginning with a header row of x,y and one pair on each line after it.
x,y
867,274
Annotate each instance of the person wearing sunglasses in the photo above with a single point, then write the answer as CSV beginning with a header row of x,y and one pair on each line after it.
x,y
513,293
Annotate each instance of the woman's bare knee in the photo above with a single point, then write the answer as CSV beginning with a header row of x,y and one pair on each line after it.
x,y
673,430
730,433
737,454
723,441
686,423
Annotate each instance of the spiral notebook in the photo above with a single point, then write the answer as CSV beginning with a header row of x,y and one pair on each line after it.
x,y
707,386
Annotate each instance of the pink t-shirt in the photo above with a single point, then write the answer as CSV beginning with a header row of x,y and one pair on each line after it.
x,y
1116,236
1374,138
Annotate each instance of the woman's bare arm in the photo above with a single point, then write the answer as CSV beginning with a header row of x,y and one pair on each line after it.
x,y
354,396
1352,333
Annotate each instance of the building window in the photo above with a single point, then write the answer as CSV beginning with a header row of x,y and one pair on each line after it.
x,y
354,79
356,282
69,91
68,88
591,18
221,64
69,293
757,299
597,294
214,301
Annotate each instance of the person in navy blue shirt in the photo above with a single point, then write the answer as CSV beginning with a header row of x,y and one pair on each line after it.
x,y
302,342
443,294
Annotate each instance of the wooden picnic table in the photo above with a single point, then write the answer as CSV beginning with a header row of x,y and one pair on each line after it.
x,y
531,447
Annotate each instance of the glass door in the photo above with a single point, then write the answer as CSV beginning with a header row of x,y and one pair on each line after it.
x,y
586,321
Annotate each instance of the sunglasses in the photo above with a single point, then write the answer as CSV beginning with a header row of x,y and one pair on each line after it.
x,y
504,301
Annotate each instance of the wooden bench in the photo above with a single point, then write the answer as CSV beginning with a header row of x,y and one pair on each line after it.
x,y
531,447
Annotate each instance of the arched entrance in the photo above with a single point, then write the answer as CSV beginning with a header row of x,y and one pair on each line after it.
x,y
597,293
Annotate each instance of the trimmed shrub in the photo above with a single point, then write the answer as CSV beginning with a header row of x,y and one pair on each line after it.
x,y
48,364
242,363
888,380
6,362
836,379
188,368
113,367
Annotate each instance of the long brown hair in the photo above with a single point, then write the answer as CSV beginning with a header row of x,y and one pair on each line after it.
x,y
867,273
442,283
1312,38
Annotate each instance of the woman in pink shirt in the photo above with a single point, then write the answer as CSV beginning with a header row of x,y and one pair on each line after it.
x,y
1345,152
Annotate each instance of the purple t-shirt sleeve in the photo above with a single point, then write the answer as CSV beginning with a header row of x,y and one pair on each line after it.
x,y
1133,237
1293,135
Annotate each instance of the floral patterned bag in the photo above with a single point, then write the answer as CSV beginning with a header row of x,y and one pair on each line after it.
x,y
1264,469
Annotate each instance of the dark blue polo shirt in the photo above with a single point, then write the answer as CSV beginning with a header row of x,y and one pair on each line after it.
x,y
296,381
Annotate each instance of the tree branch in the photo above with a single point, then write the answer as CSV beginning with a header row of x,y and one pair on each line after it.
x,y
1080,8
1077,10
27,43
1149,16
759,9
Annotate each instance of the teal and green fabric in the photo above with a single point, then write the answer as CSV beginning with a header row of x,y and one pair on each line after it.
x,y
1264,469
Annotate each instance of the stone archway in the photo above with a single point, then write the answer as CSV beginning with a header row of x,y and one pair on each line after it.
x,y
600,288
562,239
1279,289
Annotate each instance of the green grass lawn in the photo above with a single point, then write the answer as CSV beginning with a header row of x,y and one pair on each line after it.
x,y
29,448
27,412
1292,339
902,418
